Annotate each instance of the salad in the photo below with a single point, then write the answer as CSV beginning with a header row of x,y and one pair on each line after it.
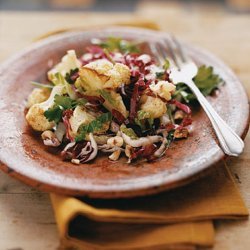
x,y
113,99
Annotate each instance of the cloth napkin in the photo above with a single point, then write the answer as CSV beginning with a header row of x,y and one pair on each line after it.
x,y
181,218
177,219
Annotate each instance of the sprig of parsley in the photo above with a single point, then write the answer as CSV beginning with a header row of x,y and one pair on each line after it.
x,y
118,44
62,103
54,114
206,80
93,126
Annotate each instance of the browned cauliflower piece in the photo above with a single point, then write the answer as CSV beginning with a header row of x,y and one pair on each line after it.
x,y
38,95
153,105
35,116
102,74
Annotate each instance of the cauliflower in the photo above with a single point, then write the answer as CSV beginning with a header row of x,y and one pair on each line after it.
x,y
82,117
153,105
163,89
79,117
38,95
35,116
68,62
102,74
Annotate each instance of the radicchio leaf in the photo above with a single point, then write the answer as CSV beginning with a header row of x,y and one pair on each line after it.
x,y
181,106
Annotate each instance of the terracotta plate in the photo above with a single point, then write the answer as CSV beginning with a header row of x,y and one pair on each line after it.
x,y
23,155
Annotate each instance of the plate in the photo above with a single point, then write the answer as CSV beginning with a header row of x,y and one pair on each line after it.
x,y
23,155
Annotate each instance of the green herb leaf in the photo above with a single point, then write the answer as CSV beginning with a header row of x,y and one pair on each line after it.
x,y
65,102
62,103
166,64
118,44
54,114
93,126
128,131
159,74
205,80
42,85
68,75
170,113
58,79
81,101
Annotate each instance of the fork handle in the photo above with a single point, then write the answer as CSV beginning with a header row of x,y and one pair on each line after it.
x,y
230,142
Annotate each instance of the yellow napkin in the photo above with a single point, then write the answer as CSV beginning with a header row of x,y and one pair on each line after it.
x,y
180,217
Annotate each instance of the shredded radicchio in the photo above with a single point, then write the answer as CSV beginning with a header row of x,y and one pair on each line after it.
x,y
82,151
181,106
146,151
139,87
66,116
119,118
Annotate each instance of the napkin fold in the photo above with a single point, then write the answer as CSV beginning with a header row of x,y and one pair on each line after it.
x,y
177,218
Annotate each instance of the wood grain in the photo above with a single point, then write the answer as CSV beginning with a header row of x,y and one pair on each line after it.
x,y
222,32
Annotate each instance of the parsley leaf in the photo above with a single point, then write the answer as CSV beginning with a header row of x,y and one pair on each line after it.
x,y
118,44
206,80
65,102
81,101
93,126
62,103
54,114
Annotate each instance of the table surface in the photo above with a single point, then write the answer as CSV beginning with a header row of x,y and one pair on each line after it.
x,y
27,220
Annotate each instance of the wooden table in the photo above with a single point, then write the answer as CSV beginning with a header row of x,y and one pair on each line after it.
x,y
26,217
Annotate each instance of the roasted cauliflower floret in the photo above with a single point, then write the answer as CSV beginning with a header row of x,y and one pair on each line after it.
x,y
79,117
164,89
153,105
102,74
36,119
68,62
82,117
35,116
38,95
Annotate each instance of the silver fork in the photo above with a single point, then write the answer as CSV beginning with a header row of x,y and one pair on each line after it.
x,y
184,70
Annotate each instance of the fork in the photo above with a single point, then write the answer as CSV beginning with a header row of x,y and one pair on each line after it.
x,y
184,70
